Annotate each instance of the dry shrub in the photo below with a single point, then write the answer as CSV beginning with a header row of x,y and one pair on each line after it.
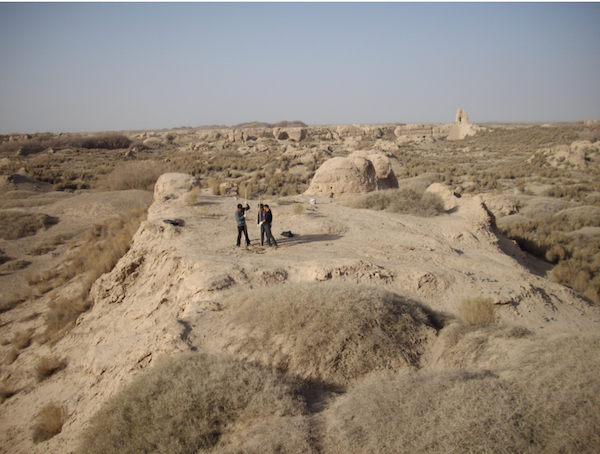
x,y
49,422
330,332
297,208
404,201
477,311
18,224
133,175
21,340
47,365
191,198
62,316
49,244
549,402
192,403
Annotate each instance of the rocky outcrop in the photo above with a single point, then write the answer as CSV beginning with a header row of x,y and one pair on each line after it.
x,y
358,173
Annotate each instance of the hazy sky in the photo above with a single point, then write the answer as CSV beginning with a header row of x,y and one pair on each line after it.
x,y
72,67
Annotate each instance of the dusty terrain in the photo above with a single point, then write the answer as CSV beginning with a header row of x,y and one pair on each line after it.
x,y
174,290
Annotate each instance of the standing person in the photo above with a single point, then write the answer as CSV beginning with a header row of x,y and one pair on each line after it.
x,y
268,221
260,219
240,217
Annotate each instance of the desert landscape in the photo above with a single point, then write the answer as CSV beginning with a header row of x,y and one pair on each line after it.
x,y
439,292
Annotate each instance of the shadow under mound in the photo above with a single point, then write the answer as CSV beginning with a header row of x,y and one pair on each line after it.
x,y
329,332
304,239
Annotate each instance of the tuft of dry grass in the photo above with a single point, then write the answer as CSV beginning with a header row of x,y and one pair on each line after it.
x,y
404,201
18,224
477,311
62,316
49,422
21,340
193,403
13,301
48,365
330,332
191,198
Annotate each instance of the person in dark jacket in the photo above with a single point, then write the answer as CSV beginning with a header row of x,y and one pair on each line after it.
x,y
240,217
260,220
267,224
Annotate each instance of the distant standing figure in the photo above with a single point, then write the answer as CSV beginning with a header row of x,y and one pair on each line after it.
x,y
268,220
240,217
260,220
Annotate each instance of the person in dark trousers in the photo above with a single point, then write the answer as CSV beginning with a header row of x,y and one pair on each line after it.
x,y
268,221
260,220
240,217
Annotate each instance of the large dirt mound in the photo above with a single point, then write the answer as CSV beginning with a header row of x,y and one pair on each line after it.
x,y
330,332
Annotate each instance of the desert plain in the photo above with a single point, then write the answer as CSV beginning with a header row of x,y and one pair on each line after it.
x,y
439,293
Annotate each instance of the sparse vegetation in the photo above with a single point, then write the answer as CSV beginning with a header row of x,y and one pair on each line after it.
x,y
330,332
49,422
562,239
477,311
133,175
17,224
405,201
100,250
194,403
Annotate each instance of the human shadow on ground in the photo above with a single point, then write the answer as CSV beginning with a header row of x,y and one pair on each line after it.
x,y
303,239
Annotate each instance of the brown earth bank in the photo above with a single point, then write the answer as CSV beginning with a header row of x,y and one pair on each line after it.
x,y
369,330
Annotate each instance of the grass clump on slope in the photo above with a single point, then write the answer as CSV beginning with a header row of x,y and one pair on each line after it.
x,y
548,402
404,201
195,403
330,332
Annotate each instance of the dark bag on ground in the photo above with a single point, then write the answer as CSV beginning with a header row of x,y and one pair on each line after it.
x,y
288,234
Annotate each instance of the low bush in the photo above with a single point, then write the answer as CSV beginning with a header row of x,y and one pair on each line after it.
x,y
330,332
49,245
404,201
477,311
194,403
49,422
62,315
549,402
19,224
